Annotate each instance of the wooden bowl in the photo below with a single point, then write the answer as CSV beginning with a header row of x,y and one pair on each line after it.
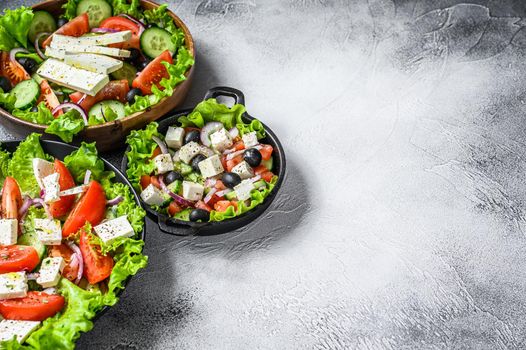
x,y
110,135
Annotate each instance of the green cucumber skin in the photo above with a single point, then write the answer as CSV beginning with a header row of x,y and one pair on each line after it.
x,y
26,93
155,41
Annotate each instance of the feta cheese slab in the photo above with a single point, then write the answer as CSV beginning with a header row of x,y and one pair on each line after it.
x,y
55,53
211,166
151,195
174,137
189,151
192,191
221,140
243,190
13,285
41,169
250,139
163,163
60,40
19,329
49,231
8,231
50,271
113,229
93,62
244,170
74,78
51,188
101,50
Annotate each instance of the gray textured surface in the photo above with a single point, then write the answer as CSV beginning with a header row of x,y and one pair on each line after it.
x,y
402,220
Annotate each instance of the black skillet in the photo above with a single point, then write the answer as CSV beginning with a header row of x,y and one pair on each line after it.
x,y
185,228
60,150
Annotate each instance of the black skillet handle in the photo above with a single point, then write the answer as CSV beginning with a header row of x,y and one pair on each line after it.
x,y
226,91
177,230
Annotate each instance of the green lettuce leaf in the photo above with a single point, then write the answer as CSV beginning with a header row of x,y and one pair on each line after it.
x,y
4,162
21,165
141,150
17,23
41,116
127,207
7,100
133,8
66,126
70,9
7,42
161,18
33,55
86,158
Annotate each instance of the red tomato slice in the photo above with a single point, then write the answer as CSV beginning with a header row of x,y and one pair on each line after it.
x,y
155,181
36,306
90,208
174,208
15,258
97,267
69,272
48,97
239,146
230,164
145,181
222,206
114,90
203,205
153,74
266,152
156,152
76,27
11,199
63,205
12,70
121,24
220,185
264,172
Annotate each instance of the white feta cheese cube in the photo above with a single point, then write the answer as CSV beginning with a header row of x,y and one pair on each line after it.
x,y
13,285
250,139
192,191
189,151
151,195
243,190
163,163
49,231
50,271
51,188
176,157
221,140
174,137
19,329
113,229
41,169
8,231
244,170
211,166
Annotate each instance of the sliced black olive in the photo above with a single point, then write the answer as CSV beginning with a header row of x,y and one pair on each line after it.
x,y
130,96
253,157
134,55
34,109
143,64
193,135
231,180
61,21
29,64
199,214
172,176
5,84
196,160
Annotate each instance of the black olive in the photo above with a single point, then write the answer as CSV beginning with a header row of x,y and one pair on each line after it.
x,y
199,214
196,160
193,135
34,109
253,157
134,55
5,84
143,64
130,96
61,21
231,180
29,64
172,176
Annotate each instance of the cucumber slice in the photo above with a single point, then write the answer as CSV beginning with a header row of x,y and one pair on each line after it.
x,y
98,10
176,186
37,78
259,183
106,111
230,195
155,41
183,168
26,93
42,22
268,163
127,72
30,238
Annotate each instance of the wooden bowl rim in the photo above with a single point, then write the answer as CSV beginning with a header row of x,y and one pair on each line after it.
x,y
189,43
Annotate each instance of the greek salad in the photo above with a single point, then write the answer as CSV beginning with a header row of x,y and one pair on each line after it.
x,y
211,166
68,243
100,61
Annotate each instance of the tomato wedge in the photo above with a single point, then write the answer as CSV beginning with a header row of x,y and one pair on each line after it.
x,y
203,205
48,97
97,267
114,90
76,27
11,199
174,208
70,271
145,181
63,205
153,74
266,151
266,174
230,164
15,258
121,24
12,70
223,205
90,207
36,306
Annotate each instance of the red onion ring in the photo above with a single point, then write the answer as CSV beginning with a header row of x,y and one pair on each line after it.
x,y
87,177
104,30
223,192
210,182
255,178
115,201
210,195
78,253
25,207
180,200
37,44
74,106
161,144
74,263
141,25
79,102
208,129
13,52
234,132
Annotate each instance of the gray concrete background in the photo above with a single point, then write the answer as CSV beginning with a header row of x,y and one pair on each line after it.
x,y
401,223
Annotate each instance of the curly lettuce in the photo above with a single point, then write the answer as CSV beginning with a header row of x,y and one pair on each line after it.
x,y
140,152
17,23
86,158
66,126
41,116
